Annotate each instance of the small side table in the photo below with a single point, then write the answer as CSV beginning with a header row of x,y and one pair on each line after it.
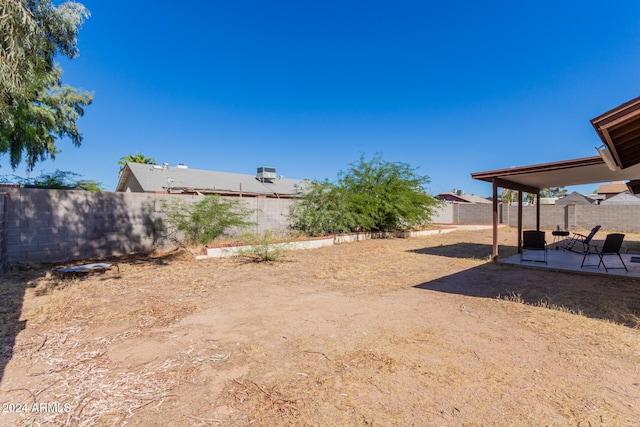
x,y
558,236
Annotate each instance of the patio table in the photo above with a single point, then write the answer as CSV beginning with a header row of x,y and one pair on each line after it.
x,y
558,236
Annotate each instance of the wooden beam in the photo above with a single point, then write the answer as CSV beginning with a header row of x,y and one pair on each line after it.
x,y
538,211
515,186
612,147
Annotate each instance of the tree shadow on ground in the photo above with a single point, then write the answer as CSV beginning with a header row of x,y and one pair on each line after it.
x,y
13,286
606,298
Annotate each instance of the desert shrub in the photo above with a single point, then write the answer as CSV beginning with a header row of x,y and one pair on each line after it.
x,y
201,222
324,209
263,247
374,195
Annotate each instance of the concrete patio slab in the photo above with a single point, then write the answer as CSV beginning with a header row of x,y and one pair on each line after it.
x,y
563,260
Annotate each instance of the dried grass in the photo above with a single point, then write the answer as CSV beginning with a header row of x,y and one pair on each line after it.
x,y
79,373
409,375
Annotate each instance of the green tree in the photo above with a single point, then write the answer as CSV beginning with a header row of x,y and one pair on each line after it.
x,y
324,209
58,180
373,195
387,196
553,192
203,221
508,196
17,30
35,107
136,158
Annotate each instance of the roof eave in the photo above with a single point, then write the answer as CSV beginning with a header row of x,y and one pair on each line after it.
x,y
618,129
488,176
124,177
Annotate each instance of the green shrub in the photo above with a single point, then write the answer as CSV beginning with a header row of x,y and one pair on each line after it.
x,y
203,221
324,209
374,195
263,247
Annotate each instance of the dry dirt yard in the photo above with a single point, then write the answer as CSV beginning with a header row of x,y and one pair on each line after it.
x,y
423,331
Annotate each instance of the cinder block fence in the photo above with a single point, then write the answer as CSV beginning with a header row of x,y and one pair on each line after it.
x,y
622,218
39,225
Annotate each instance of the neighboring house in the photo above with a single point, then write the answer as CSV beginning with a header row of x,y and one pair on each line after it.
x,y
624,198
612,188
458,196
597,198
574,198
144,178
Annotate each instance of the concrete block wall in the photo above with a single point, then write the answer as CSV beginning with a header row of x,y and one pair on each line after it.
x,y
469,213
443,214
270,214
551,216
60,225
56,225
4,262
623,218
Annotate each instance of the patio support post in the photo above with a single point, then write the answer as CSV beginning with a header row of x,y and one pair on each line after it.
x,y
519,221
494,253
538,211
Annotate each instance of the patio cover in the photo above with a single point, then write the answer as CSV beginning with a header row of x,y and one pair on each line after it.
x,y
619,159
587,170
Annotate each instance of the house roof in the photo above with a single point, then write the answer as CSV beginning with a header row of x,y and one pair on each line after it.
x,y
574,198
624,198
464,198
181,179
619,131
612,188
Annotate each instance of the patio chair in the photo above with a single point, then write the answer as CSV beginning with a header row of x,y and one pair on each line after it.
x,y
584,240
611,246
532,241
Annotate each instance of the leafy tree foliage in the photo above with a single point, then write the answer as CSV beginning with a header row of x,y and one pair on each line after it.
x,y
35,107
511,196
203,221
374,195
553,192
508,196
137,158
324,209
389,195
58,180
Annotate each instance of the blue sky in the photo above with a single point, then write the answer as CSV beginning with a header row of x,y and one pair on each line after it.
x,y
448,87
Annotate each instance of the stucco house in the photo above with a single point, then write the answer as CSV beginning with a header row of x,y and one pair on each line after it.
x,y
611,189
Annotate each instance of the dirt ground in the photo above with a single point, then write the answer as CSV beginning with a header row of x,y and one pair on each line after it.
x,y
396,332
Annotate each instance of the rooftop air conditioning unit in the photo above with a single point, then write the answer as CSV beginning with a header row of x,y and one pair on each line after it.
x,y
265,173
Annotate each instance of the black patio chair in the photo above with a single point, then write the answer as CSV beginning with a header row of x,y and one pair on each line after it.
x,y
532,241
611,246
581,238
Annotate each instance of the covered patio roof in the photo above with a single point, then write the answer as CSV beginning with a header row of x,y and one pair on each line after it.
x,y
587,170
619,160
